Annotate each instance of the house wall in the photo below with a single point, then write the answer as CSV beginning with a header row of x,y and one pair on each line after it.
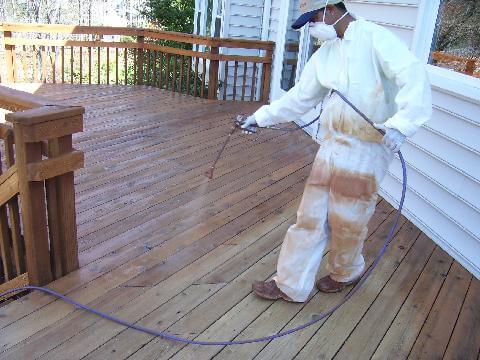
x,y
443,158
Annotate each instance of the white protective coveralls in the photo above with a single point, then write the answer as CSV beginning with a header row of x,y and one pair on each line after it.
x,y
380,76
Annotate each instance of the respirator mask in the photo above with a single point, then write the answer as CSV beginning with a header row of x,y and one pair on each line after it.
x,y
323,31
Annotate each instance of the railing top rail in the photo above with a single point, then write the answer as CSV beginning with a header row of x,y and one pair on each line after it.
x,y
20,99
38,109
126,31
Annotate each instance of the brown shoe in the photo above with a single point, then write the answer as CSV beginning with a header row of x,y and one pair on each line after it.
x,y
269,290
328,285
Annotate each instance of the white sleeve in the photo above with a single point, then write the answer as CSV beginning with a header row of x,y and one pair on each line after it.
x,y
414,98
305,95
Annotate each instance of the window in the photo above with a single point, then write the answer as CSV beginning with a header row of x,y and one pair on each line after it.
x,y
456,41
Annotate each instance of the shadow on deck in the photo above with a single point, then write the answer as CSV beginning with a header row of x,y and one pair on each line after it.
x,y
162,245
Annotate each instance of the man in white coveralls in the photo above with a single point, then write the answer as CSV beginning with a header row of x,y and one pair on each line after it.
x,y
380,76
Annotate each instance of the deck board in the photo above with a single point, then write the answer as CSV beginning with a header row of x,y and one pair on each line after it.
x,y
163,246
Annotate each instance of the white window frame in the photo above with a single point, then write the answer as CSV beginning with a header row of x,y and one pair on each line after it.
x,y
446,80
276,84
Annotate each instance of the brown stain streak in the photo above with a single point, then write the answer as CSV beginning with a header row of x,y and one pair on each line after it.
x,y
352,185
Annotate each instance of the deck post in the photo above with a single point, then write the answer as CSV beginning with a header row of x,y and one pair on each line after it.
x,y
470,66
62,213
266,77
9,56
33,210
140,60
51,252
213,73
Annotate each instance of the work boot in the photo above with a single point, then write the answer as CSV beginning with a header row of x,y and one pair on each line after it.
x,y
269,290
328,285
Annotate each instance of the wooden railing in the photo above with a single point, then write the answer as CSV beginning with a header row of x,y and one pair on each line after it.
x,y
462,64
114,55
38,241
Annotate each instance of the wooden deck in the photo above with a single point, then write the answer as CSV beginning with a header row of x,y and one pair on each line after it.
x,y
163,246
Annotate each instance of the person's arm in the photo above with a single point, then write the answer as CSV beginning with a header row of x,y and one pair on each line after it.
x,y
414,98
304,96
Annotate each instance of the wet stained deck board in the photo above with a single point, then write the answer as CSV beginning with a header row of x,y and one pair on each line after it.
x,y
163,246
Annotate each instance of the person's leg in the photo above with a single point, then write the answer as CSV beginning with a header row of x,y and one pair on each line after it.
x,y
358,169
305,241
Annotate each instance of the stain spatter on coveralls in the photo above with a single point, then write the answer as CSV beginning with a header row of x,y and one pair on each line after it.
x,y
353,185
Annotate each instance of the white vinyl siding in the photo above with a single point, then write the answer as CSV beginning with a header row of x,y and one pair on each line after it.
x,y
442,159
398,16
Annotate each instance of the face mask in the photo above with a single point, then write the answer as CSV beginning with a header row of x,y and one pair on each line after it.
x,y
323,31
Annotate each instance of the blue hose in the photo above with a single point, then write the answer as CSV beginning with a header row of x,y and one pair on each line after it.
x,y
316,318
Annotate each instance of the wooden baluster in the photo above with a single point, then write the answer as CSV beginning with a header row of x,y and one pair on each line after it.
x,y
89,65
213,73
140,60
167,75
9,56
174,80
98,65
63,63
116,66
189,73
71,64
44,65
160,75
81,64
13,209
108,66
195,81
180,89
53,60
225,81
5,241
135,65
15,68
125,64
244,85
204,70
24,63
254,78
35,64
235,74
154,70
149,65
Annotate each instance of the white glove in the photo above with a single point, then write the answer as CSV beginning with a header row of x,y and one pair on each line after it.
x,y
248,124
393,138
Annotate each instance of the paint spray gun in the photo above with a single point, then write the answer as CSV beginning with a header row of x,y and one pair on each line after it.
x,y
237,124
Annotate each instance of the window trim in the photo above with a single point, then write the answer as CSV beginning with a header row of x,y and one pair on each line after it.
x,y
443,79
276,87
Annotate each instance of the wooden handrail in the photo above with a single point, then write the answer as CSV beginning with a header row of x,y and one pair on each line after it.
x,y
19,100
439,55
125,31
150,59
470,63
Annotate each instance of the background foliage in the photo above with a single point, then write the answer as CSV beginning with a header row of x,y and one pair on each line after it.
x,y
171,15
459,28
